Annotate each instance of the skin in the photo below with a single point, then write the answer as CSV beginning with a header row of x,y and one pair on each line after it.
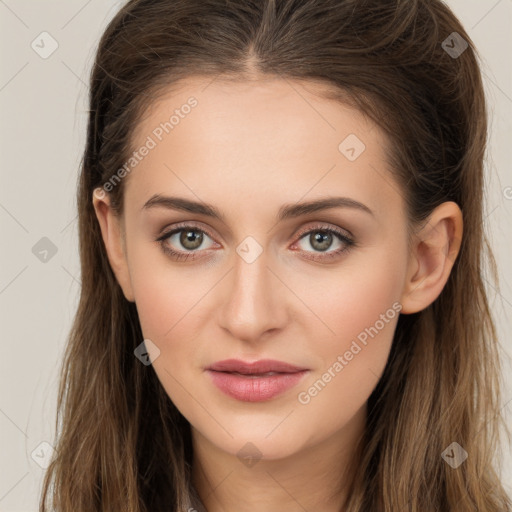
x,y
249,148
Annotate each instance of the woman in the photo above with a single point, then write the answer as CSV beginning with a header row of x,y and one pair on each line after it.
x,y
282,250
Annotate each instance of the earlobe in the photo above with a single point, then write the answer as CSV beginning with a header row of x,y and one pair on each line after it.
x,y
433,254
113,238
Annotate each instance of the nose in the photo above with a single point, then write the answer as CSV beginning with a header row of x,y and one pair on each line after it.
x,y
254,300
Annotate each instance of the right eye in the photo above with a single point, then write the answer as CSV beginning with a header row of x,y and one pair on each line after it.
x,y
181,241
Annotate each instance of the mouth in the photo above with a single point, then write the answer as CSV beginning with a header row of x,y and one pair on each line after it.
x,y
253,375
255,381
261,367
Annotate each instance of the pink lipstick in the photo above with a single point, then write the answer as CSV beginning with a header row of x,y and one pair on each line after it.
x,y
257,381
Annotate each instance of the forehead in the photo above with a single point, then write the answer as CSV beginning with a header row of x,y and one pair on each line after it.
x,y
272,135
259,106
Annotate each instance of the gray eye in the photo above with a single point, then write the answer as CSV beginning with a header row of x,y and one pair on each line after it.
x,y
188,239
191,239
320,240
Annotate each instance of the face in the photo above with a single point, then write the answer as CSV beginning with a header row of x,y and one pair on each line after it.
x,y
318,288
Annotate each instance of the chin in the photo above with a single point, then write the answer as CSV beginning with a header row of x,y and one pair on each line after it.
x,y
253,445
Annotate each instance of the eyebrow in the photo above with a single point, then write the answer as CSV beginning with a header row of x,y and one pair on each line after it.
x,y
287,211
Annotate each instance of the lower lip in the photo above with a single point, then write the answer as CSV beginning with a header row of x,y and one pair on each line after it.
x,y
255,389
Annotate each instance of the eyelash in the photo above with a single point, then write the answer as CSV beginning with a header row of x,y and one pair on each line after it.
x,y
180,256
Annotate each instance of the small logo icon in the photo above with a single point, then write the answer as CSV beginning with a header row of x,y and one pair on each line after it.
x,y
44,45
249,455
351,147
44,250
249,249
454,45
42,454
454,455
147,352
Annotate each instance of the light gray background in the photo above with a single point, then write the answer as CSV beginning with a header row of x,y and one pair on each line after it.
x,y
43,105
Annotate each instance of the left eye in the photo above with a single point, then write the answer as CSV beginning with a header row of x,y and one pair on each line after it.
x,y
322,239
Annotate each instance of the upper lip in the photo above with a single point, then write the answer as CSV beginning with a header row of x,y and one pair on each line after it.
x,y
248,368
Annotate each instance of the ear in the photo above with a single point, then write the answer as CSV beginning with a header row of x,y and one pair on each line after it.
x,y
434,250
112,231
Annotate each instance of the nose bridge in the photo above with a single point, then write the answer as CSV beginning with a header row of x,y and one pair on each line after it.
x,y
252,305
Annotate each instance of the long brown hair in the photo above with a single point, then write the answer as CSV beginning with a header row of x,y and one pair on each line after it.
x,y
122,444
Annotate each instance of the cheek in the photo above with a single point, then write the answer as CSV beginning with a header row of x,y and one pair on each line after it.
x,y
354,297
165,293
169,309
163,303
361,305
172,305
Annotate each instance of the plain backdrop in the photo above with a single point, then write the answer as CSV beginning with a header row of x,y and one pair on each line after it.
x,y
43,115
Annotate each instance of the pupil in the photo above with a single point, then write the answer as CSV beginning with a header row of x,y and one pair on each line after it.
x,y
191,239
321,240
